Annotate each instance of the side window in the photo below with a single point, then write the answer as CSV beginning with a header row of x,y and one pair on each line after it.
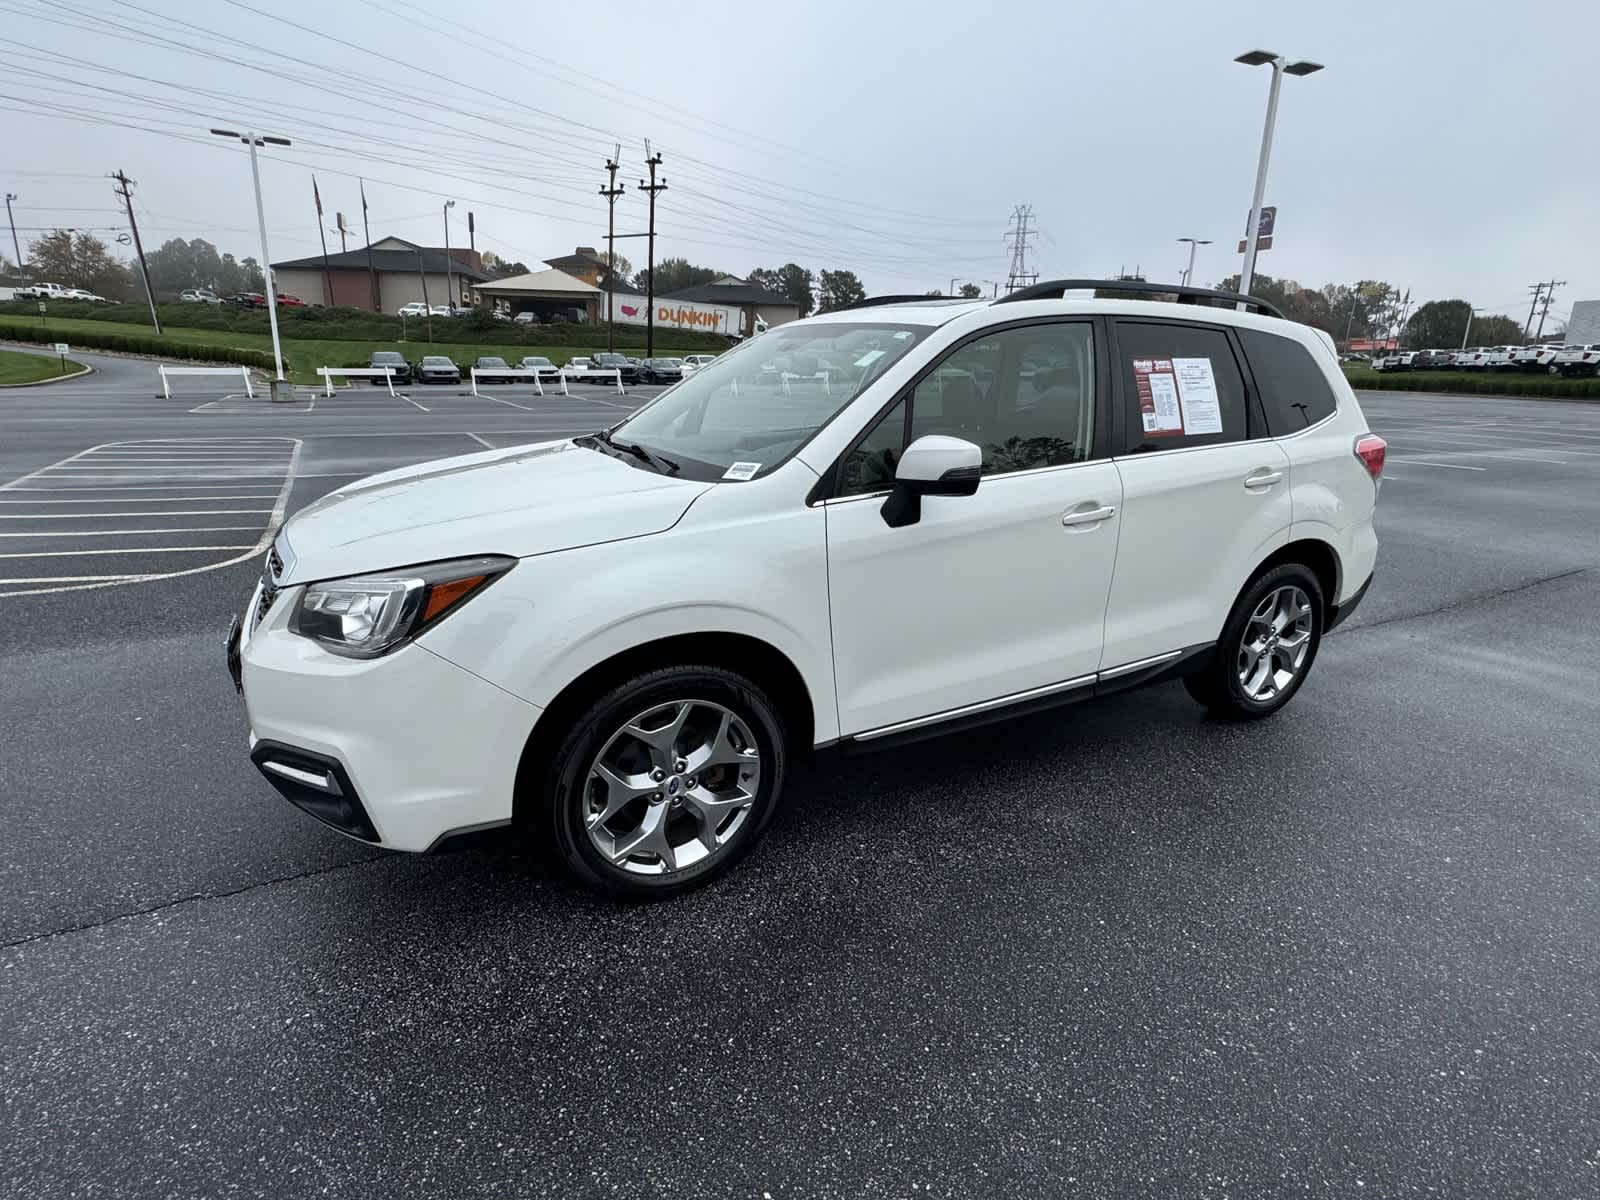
x,y
1294,391
1180,386
870,466
1024,395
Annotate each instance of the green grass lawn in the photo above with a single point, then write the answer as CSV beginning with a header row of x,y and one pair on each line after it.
x,y
17,367
301,357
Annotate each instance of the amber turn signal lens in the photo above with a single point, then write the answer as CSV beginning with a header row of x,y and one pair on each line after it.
x,y
443,596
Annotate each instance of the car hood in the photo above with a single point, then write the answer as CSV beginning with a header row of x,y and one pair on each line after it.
x,y
520,501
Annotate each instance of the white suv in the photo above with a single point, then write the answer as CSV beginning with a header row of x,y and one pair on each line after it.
x,y
871,525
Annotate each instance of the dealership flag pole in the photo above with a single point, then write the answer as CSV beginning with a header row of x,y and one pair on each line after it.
x,y
327,279
372,271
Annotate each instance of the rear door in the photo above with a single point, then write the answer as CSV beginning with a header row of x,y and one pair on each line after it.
x,y
1205,496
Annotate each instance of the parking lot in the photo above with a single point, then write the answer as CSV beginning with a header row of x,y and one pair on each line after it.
x,y
1117,949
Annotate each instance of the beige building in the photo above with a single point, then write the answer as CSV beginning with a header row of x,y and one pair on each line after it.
x,y
548,295
385,276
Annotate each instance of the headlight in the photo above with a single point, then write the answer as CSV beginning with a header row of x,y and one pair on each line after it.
x,y
368,615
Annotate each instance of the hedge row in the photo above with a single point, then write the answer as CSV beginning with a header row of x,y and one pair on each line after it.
x,y
160,347
1477,385
358,325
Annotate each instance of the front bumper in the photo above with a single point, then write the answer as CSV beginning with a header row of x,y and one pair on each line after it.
x,y
401,751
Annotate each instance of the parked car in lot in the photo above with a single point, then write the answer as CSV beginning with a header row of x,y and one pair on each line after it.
x,y
395,361
693,362
84,294
247,300
199,296
526,318
487,366
1394,360
617,362
660,370
1534,358
1426,360
618,642
1577,360
41,291
548,371
441,310
285,300
436,368
415,309
582,368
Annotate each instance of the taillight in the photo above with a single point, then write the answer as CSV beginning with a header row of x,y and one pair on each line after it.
x,y
1370,449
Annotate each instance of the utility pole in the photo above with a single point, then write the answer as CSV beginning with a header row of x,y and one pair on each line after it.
x,y
15,249
472,234
611,191
652,188
1017,236
1549,295
1538,290
125,190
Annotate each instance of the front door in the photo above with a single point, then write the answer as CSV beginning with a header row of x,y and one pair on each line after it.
x,y
990,595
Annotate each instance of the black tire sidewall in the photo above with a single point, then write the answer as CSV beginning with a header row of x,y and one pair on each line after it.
x,y
1226,685
561,810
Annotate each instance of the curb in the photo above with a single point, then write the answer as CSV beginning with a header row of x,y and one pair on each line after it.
x,y
84,369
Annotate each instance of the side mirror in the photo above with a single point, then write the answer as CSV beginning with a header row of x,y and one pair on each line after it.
x,y
933,465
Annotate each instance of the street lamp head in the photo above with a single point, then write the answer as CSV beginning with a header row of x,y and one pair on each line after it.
x,y
1257,58
228,133
277,141
1302,68
449,203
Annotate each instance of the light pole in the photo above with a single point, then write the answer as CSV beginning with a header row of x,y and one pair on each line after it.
x,y
1194,243
12,221
1280,67
280,389
449,276
1467,332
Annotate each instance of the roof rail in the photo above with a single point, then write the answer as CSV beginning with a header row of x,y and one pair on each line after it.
x,y
1056,288
874,301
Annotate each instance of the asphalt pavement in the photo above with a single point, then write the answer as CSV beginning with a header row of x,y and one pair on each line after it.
x,y
1116,950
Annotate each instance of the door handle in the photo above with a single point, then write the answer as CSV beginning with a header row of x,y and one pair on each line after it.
x,y
1089,516
1262,479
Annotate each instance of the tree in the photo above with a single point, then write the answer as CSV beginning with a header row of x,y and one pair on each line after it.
x,y
243,276
178,265
839,289
970,291
673,275
498,268
1495,331
1438,324
792,281
621,268
81,261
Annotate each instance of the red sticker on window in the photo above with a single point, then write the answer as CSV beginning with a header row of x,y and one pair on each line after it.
x,y
1157,386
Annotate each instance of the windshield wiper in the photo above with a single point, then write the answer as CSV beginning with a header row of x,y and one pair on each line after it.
x,y
650,458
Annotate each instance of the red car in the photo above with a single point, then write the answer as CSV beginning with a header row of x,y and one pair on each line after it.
x,y
288,301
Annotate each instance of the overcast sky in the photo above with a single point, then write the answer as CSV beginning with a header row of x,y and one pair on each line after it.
x,y
1449,148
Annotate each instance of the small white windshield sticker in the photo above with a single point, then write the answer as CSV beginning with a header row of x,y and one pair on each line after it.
x,y
870,357
742,471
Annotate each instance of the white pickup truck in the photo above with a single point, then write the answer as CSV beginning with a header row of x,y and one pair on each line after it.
x,y
44,291
1577,360
1534,358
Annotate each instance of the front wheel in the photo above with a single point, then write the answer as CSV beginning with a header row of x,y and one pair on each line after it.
x,y
1267,646
665,781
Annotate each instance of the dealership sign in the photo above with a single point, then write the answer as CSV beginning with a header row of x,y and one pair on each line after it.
x,y
675,314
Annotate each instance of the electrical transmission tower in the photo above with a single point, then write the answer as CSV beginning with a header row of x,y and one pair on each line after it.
x,y
1017,235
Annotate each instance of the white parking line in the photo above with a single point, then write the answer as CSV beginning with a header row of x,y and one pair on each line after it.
x,y
1417,462
480,441
149,473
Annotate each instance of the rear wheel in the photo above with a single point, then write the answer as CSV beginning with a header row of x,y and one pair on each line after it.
x,y
1267,646
665,782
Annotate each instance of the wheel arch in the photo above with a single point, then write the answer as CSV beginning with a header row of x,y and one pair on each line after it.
x,y
760,661
1316,555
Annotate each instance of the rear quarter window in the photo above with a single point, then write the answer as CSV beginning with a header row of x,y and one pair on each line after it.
x,y
1294,391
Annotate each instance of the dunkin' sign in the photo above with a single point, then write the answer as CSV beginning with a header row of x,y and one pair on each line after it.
x,y
675,314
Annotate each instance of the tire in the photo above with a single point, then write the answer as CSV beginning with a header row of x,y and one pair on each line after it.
x,y
1234,684
656,844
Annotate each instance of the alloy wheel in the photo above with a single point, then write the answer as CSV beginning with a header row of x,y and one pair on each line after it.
x,y
672,787
1276,642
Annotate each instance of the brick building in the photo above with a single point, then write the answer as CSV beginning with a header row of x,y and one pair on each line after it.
x,y
401,271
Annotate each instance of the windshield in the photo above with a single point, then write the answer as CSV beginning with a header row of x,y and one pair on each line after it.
x,y
387,356
760,402
434,360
